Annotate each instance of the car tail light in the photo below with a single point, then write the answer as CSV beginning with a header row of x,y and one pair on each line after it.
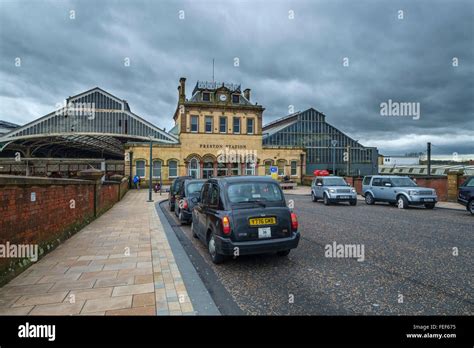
x,y
226,225
294,222
183,204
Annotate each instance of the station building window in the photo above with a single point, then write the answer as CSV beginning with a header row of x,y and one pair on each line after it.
x,y
235,98
208,124
250,126
281,167
193,169
140,168
235,168
194,124
250,168
267,164
236,125
208,169
221,169
293,168
157,169
172,169
222,124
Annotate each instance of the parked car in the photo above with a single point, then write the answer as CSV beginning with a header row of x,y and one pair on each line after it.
x,y
397,190
466,194
176,187
243,215
332,189
186,199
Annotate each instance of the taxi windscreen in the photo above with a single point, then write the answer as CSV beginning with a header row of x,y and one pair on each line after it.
x,y
254,191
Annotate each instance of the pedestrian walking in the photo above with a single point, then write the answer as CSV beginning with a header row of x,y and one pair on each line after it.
x,y
136,182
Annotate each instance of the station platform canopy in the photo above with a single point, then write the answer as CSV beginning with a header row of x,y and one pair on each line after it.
x,y
94,123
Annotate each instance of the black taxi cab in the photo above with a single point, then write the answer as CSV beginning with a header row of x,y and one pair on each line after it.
x,y
242,215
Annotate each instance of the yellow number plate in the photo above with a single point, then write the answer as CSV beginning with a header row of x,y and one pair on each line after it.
x,y
262,221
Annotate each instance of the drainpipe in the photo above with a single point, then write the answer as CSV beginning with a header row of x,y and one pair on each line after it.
x,y
301,168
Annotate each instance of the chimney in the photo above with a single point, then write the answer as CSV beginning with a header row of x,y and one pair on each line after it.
x,y
247,94
182,89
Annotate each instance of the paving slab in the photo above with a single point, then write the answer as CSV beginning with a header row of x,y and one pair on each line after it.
x,y
119,264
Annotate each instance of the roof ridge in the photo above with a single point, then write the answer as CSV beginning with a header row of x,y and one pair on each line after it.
x,y
281,119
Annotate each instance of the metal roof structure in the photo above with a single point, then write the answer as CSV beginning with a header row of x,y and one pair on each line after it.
x,y
92,123
7,127
282,121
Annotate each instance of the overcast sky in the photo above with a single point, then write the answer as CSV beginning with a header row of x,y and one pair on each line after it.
x,y
290,54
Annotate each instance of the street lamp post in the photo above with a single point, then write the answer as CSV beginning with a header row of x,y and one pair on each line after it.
x,y
334,144
161,182
150,188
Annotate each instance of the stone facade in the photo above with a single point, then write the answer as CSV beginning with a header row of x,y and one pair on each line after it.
x,y
220,133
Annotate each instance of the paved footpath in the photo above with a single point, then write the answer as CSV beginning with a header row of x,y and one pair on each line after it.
x,y
120,264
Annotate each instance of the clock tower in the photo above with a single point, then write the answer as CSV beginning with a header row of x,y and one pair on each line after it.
x,y
217,108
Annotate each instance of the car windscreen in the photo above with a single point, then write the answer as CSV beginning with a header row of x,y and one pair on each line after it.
x,y
335,182
469,183
254,191
403,182
194,188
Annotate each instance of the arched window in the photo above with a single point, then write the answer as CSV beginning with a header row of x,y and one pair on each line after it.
x,y
140,168
221,169
172,169
208,168
157,169
193,169
250,168
281,167
268,164
235,168
293,168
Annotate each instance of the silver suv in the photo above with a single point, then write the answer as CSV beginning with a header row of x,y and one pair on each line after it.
x,y
397,190
332,189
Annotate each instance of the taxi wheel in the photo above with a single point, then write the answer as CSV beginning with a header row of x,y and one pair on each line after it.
x,y
211,247
470,206
192,230
180,217
326,199
354,202
170,206
429,206
283,252
313,197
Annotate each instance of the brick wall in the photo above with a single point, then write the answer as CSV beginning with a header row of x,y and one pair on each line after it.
x,y
61,207
123,187
440,184
108,194
444,191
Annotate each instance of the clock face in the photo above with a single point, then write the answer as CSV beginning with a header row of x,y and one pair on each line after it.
x,y
223,97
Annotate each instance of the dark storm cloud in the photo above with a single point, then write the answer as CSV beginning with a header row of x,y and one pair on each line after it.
x,y
288,63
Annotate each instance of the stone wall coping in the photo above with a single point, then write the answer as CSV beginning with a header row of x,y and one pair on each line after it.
x,y
35,180
111,182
